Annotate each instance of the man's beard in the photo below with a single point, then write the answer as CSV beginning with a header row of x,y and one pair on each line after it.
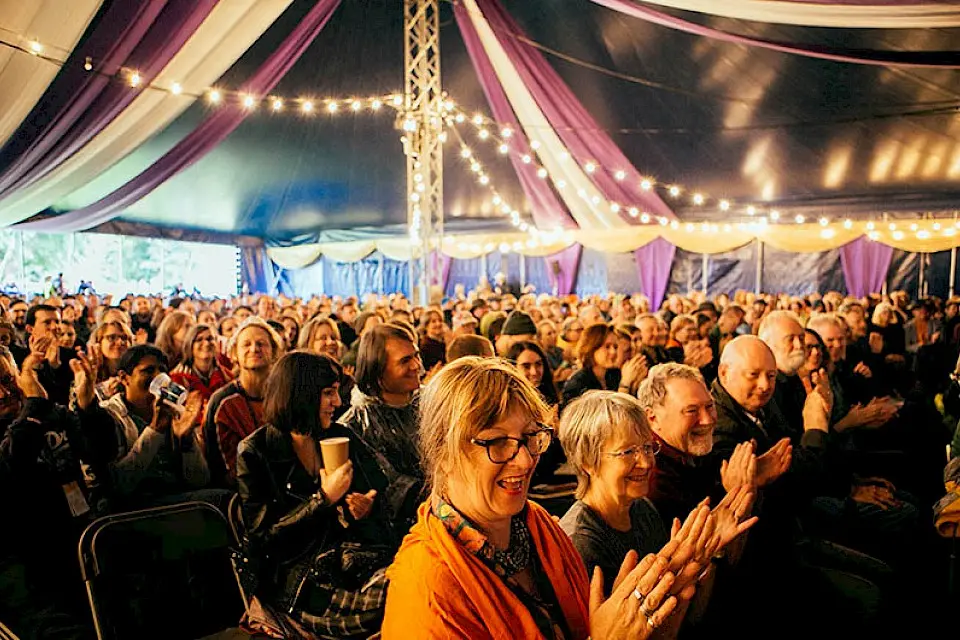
x,y
794,361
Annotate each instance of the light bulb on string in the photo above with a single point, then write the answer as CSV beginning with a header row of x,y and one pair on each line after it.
x,y
674,191
249,102
526,159
506,133
644,217
535,145
355,105
646,185
697,198
35,47
176,89
332,107
375,105
824,222
620,175
397,101
478,119
503,149
541,173
774,215
214,96
751,210
848,224
483,134
724,205
870,226
460,118
88,64
465,153
590,167
306,106
799,219
278,104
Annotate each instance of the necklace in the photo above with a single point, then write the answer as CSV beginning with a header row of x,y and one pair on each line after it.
x,y
516,557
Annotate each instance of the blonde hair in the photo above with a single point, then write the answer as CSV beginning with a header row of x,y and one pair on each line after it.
x,y
592,419
254,322
467,396
305,339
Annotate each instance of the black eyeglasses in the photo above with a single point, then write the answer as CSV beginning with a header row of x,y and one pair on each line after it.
x,y
503,450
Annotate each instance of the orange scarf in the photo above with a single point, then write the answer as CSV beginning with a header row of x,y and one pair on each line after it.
x,y
438,589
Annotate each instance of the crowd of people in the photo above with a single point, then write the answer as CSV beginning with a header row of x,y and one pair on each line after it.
x,y
758,466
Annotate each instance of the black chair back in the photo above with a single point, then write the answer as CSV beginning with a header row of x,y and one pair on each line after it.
x,y
160,573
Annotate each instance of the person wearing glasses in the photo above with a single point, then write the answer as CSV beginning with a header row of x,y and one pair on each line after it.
x,y
613,452
484,562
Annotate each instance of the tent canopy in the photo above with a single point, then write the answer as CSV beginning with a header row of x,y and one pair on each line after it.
x,y
808,136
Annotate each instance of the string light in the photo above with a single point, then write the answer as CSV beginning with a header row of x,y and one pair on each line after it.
x,y
249,102
88,64
332,107
35,47
355,105
307,106
675,191
214,96
135,79
724,205
697,198
774,215
176,89
799,219
376,104
620,175
278,104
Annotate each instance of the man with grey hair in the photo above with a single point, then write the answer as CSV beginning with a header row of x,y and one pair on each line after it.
x,y
782,332
682,414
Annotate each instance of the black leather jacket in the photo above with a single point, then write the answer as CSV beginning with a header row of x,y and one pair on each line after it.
x,y
286,525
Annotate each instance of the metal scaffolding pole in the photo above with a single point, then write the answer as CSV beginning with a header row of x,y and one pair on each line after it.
x,y
421,123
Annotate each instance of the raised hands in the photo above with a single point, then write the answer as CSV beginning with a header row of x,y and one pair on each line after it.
x,y
185,422
774,463
84,379
28,380
690,548
634,372
740,469
640,601
731,514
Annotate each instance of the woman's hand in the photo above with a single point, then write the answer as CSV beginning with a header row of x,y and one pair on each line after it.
x,y
690,548
336,484
360,504
634,372
640,601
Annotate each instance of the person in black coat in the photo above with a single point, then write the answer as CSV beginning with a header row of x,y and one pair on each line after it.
x,y
314,537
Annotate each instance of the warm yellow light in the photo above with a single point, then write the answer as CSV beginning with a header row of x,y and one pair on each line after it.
x,y
465,153
620,175
333,106
478,119
799,219
724,205
214,96
375,105
541,173
644,217
176,89
751,210
36,48
504,149
590,167
697,198
134,79
774,215
249,102
848,224
526,159
506,133
278,104
674,191
646,185
355,105
824,222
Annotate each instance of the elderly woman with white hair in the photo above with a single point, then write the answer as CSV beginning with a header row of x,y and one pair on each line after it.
x,y
482,561
613,452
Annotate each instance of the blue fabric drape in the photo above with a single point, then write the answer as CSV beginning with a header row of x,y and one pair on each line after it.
x,y
465,272
257,271
592,276
802,273
396,277
301,283
537,274
904,272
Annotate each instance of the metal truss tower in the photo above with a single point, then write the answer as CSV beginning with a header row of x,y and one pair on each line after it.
x,y
421,123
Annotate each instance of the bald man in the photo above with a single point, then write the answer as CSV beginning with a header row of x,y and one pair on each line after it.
x,y
743,392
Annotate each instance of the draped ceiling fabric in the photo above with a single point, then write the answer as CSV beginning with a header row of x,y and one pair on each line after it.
x,y
78,105
865,265
880,58
228,31
654,261
204,138
860,14
584,201
57,25
578,130
548,211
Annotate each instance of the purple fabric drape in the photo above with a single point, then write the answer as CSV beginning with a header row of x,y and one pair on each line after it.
x,y
211,132
562,268
548,211
576,127
872,57
441,262
865,264
142,35
654,261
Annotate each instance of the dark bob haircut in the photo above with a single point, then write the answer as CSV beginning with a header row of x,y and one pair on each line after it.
x,y
137,353
293,390
372,354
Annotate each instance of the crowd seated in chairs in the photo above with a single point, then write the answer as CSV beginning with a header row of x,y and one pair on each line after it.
x,y
762,466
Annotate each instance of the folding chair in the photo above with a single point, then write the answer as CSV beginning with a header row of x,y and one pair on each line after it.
x,y
6,634
160,573
238,559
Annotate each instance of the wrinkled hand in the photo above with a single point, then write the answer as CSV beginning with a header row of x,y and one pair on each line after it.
x,y
619,617
360,504
690,548
878,412
740,469
732,513
774,463
863,370
335,484
84,379
186,421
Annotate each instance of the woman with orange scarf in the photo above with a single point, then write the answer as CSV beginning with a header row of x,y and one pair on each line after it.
x,y
482,561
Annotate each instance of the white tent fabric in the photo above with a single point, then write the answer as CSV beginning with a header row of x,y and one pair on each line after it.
x,y
57,26
584,201
223,37
819,14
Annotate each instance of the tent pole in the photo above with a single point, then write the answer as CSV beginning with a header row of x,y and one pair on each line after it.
x,y
421,125
380,279
758,284
704,273
920,274
523,272
953,270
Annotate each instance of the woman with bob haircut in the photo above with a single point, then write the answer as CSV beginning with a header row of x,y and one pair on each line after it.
x,y
316,542
482,561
